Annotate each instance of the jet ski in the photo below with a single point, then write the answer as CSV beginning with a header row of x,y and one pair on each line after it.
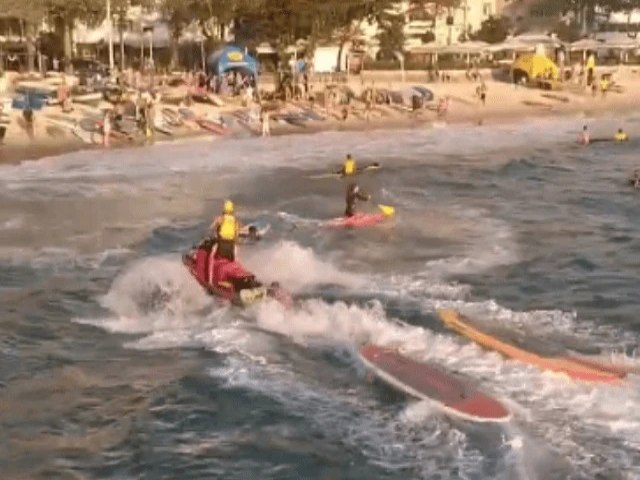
x,y
232,282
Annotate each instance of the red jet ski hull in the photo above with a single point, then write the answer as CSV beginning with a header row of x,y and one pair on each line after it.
x,y
358,220
232,281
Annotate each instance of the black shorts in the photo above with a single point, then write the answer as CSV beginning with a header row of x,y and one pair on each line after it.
x,y
226,249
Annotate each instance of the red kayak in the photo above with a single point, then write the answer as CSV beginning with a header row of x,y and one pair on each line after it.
x,y
362,219
434,384
232,281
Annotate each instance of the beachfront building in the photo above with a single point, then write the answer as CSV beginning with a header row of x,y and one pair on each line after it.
x,y
534,14
431,24
13,48
24,44
627,22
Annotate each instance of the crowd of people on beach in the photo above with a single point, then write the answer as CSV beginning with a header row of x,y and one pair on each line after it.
x,y
135,94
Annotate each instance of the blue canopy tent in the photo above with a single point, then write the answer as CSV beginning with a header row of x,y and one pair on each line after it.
x,y
231,57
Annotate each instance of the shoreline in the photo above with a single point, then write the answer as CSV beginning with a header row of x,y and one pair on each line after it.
x,y
505,104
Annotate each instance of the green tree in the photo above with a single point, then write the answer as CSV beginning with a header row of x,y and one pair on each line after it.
x,y
493,30
212,16
64,13
391,36
178,14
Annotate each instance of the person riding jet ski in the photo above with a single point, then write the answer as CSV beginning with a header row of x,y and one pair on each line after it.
x,y
225,229
354,194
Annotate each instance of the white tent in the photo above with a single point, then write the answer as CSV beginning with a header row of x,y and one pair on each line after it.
x,y
617,40
525,43
586,44
536,38
465,48
511,44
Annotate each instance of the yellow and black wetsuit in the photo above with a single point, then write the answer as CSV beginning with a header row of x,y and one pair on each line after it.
x,y
226,236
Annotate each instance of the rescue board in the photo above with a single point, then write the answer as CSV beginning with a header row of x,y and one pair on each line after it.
x,y
576,368
433,384
366,168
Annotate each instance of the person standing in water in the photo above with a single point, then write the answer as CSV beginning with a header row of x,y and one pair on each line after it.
x,y
349,167
584,137
354,194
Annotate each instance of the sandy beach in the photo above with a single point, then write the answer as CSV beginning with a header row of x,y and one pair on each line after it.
x,y
505,102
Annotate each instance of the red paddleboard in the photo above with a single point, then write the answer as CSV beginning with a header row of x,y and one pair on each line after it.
x,y
358,220
431,383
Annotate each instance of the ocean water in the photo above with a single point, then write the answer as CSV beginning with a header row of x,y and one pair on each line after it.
x,y
115,365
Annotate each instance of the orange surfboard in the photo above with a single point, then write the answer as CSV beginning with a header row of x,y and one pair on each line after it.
x,y
574,367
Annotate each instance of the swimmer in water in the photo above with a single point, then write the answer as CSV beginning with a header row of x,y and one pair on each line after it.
x,y
584,137
621,136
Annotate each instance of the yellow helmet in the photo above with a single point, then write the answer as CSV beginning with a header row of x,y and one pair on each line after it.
x,y
228,207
